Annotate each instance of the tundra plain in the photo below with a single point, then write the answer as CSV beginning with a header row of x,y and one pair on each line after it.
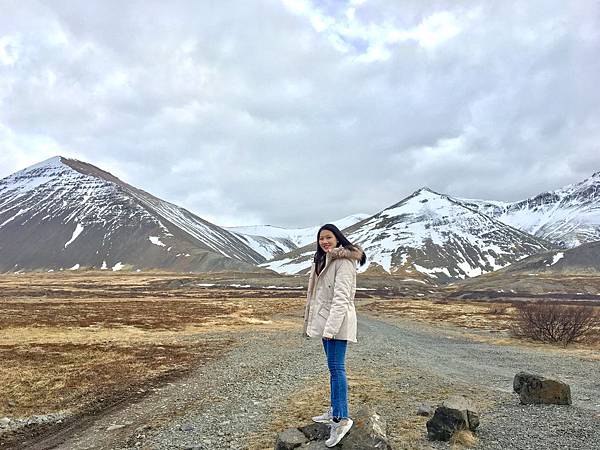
x,y
84,343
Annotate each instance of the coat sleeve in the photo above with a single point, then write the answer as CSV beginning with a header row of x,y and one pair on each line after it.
x,y
345,281
311,280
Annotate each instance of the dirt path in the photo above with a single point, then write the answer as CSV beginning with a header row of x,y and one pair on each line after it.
x,y
228,403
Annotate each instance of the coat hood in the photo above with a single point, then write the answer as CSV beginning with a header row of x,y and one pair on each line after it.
x,y
343,253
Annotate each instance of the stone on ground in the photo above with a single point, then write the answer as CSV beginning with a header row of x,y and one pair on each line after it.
x,y
367,433
455,413
290,439
536,389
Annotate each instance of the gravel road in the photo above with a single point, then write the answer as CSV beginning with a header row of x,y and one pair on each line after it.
x,y
221,405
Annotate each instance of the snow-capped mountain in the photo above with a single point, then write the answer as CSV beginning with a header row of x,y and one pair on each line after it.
x,y
582,259
568,217
567,274
429,236
64,213
271,241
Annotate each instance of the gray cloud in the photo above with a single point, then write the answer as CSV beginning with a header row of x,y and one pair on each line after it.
x,y
297,112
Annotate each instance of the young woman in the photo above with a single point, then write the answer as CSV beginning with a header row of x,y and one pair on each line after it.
x,y
330,315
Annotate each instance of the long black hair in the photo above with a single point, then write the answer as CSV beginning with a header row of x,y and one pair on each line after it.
x,y
342,242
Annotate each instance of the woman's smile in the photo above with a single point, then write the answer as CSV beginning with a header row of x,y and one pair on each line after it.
x,y
327,240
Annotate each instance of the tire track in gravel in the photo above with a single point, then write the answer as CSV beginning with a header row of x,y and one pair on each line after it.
x,y
221,404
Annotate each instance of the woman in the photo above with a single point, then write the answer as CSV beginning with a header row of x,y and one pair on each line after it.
x,y
330,315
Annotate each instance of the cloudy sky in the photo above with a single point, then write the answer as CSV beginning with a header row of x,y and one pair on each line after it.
x,y
297,112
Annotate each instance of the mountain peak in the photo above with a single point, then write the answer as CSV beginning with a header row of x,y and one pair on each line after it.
x,y
55,161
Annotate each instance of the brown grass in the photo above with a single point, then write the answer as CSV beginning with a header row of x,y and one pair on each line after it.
x,y
495,317
394,393
463,438
482,315
77,342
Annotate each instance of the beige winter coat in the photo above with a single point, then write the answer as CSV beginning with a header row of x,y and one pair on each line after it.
x,y
329,310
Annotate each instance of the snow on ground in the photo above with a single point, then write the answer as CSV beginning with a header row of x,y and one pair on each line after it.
x,y
432,271
156,241
76,233
287,266
556,258
10,219
299,236
468,270
75,267
118,266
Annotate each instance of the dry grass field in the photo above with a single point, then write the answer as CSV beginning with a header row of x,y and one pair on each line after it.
x,y
82,341
493,317
79,342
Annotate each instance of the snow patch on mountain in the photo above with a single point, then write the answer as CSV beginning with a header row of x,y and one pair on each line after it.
x,y
569,216
432,234
156,241
76,233
556,258
271,241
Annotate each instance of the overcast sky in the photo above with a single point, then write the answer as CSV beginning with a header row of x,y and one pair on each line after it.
x,y
298,112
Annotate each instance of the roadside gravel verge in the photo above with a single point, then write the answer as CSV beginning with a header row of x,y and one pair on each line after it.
x,y
230,403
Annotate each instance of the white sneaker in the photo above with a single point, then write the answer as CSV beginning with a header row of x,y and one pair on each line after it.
x,y
338,431
326,417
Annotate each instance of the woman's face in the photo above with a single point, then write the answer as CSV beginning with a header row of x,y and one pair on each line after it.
x,y
327,240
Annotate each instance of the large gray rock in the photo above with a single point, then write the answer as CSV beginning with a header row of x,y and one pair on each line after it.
x,y
290,439
367,433
536,389
315,431
455,413
316,445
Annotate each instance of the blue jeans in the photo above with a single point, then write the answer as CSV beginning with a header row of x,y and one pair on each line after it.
x,y
335,350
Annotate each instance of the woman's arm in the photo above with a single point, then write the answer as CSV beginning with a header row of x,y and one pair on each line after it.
x,y
345,281
311,280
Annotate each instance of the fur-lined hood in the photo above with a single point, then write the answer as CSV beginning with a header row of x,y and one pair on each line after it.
x,y
344,253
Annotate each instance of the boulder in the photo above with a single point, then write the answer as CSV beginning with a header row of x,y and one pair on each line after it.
x,y
290,439
536,389
316,431
316,445
367,433
455,413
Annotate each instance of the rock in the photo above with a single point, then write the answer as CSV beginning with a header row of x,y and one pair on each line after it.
x,y
290,439
456,413
4,421
315,431
115,427
537,389
424,410
186,427
367,433
316,445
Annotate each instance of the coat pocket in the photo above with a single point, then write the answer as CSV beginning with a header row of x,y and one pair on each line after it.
x,y
323,313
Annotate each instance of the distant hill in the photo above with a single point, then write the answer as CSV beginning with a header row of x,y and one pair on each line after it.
x,y
271,241
68,214
430,237
568,216
572,274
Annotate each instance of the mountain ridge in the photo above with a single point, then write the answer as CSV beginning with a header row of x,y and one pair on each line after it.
x,y
74,201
